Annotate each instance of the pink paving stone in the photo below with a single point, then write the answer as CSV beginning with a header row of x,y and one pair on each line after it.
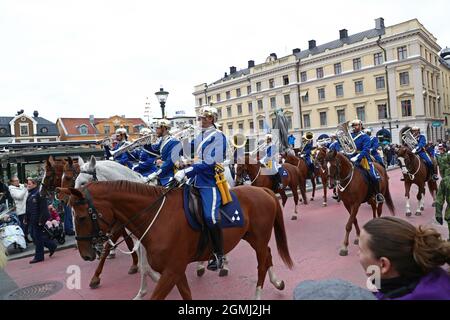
x,y
314,242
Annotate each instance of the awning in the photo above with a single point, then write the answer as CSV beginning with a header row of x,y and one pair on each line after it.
x,y
303,93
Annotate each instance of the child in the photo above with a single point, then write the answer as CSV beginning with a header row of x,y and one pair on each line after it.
x,y
54,220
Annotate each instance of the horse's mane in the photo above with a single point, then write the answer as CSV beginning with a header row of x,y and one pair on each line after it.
x,y
128,187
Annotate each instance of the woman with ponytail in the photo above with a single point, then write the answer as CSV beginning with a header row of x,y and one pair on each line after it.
x,y
410,260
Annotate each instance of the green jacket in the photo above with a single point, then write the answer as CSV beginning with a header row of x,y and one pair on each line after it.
x,y
444,164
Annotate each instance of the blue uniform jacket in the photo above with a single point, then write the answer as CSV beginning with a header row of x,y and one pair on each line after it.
x,y
308,148
421,142
124,158
374,146
146,163
335,146
36,208
362,142
210,151
167,147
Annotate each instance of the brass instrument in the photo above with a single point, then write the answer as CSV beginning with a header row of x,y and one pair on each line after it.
x,y
307,137
345,139
130,146
238,140
106,142
188,131
409,139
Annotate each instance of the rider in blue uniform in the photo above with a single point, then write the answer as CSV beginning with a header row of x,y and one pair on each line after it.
x,y
334,145
169,148
362,143
125,158
147,159
210,147
374,145
306,152
324,140
270,163
420,150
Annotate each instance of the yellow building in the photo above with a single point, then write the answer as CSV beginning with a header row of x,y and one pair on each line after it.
x,y
389,77
445,89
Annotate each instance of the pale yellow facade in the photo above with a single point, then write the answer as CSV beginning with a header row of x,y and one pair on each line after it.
x,y
326,87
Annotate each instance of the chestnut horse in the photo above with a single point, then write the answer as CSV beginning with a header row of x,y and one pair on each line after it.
x,y
415,172
170,242
353,191
251,167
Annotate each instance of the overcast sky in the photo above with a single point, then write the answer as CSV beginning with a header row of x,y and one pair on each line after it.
x,y
68,58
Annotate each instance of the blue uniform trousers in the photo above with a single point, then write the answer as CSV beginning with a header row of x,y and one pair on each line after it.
x,y
211,201
41,240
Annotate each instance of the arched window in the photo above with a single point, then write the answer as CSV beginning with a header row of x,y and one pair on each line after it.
x,y
83,129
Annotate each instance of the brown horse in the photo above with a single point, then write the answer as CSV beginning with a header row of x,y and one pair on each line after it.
x,y
170,242
415,172
53,171
251,167
354,191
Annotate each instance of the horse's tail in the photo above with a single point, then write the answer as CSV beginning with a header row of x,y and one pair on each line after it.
x,y
280,233
388,198
3,258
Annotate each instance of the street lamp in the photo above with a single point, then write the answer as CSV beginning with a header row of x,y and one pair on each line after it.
x,y
162,98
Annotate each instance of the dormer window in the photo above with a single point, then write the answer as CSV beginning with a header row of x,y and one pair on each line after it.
x,y
3,132
24,129
83,129
44,130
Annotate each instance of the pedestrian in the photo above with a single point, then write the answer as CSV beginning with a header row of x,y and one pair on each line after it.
x,y
36,216
408,260
19,194
5,197
443,194
291,141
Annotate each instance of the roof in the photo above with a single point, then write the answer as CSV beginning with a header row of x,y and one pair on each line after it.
x,y
51,129
71,125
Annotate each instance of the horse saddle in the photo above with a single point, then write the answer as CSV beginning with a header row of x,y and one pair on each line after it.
x,y
230,215
283,172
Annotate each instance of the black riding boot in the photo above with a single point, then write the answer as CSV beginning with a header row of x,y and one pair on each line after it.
x,y
279,182
217,245
379,198
434,175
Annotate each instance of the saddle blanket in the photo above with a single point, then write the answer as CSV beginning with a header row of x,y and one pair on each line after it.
x,y
230,215
283,172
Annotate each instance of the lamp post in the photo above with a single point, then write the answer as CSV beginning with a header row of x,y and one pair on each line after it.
x,y
388,104
162,98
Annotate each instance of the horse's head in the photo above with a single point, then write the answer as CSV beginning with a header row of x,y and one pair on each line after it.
x,y
332,168
51,176
404,157
71,169
246,165
92,221
88,172
319,157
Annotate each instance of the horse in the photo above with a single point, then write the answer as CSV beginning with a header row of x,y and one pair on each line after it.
x,y
341,171
253,168
321,169
170,242
53,171
415,172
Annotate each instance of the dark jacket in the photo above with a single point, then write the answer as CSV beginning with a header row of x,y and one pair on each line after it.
x,y
5,195
37,208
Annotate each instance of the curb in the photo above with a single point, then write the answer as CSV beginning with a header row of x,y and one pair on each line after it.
x,y
30,253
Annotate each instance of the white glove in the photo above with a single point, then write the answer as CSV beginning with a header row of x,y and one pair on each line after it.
x,y
152,176
354,159
180,175
414,151
111,158
302,156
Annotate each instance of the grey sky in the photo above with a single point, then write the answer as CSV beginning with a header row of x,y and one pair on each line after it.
x,y
104,57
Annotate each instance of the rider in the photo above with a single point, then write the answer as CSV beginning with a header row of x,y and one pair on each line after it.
x,y
420,149
269,161
124,158
210,147
374,145
170,150
362,158
306,152
324,140
334,145
146,158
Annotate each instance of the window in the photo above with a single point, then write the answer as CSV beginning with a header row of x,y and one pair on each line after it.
x,y
238,92
107,129
402,53
341,116
218,97
361,113
228,95
287,99
239,109
260,105
24,130
229,111
271,83
359,88
305,98
241,126
337,68
261,124
258,86
273,102
319,73
357,64
406,108
209,100
230,127
83,130
377,58
323,118
303,76
339,90
404,78
250,124
250,107
289,121
219,113
200,101
285,80
44,130
380,83
249,89
3,132
321,93
306,121
382,111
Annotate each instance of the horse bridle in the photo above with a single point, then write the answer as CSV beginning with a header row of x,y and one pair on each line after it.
x,y
338,174
410,175
93,173
49,187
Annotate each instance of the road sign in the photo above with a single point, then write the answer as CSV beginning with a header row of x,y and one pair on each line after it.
x,y
436,124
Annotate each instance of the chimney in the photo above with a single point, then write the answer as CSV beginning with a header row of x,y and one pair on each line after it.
x,y
91,118
379,23
296,50
35,114
311,44
251,63
225,75
343,34
232,70
274,55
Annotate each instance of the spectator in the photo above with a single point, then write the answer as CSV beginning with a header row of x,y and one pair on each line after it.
x,y
409,259
291,141
36,215
19,194
5,197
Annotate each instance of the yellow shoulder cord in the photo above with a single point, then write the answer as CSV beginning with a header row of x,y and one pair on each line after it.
x,y
222,184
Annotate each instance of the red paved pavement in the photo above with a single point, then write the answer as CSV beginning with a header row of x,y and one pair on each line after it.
x,y
314,241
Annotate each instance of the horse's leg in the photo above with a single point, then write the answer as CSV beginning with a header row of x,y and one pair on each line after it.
x,y
420,200
373,205
407,192
169,278
324,186
283,197
432,187
358,231
279,284
95,280
348,228
225,270
183,288
130,244
313,182
200,268
143,268
294,188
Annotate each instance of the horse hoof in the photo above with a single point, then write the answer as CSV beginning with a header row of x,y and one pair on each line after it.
x,y
95,283
133,270
200,272
418,214
408,214
343,252
312,199
111,256
324,204
422,209
281,285
294,218
356,241
223,272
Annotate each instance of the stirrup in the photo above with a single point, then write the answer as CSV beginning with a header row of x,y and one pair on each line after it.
x,y
435,177
215,263
379,198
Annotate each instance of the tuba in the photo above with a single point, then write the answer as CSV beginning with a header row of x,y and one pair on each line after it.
x,y
307,137
409,139
345,139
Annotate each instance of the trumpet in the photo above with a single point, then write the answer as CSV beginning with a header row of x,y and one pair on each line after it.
x,y
130,146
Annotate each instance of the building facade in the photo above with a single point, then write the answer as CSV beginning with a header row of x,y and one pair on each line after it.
x,y
388,77
445,89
